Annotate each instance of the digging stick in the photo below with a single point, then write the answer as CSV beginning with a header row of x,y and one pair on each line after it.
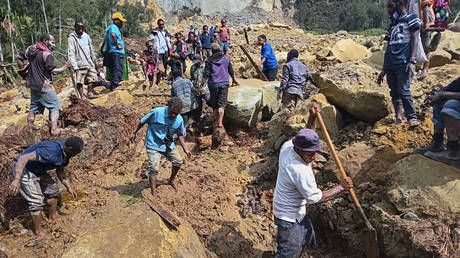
x,y
259,72
372,250
246,36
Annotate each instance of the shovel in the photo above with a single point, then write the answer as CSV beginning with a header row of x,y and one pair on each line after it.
x,y
370,239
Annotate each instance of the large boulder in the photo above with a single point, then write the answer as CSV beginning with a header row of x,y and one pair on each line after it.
x,y
449,39
420,184
353,87
285,124
135,231
251,101
348,50
421,210
439,58
114,98
376,60
361,162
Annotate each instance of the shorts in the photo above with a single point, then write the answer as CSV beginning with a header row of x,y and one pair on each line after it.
x,y
224,46
35,189
293,237
219,95
449,107
86,76
154,158
41,100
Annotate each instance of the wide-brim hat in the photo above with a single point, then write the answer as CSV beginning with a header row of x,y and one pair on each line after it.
x,y
307,140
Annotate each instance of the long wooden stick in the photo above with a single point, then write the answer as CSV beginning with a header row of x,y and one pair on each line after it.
x,y
342,171
259,72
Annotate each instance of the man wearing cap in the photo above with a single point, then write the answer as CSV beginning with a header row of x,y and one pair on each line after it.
x,y
116,49
296,187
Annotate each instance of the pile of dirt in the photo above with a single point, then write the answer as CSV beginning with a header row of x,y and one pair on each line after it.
x,y
104,131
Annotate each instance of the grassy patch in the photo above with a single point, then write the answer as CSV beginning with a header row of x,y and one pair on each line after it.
x,y
129,199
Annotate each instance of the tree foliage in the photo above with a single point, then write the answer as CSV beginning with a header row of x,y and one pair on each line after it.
x,y
28,20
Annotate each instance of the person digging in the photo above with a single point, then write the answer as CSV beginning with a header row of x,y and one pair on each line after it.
x,y
163,124
296,187
31,178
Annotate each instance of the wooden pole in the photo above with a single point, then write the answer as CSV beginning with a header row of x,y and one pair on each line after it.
x,y
246,36
259,72
60,24
371,251
1,51
46,19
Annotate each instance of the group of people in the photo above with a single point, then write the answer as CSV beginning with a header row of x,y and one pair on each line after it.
x,y
210,79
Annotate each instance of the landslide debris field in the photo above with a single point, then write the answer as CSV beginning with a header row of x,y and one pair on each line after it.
x,y
224,193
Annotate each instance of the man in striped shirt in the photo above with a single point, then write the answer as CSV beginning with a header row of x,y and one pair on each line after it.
x,y
400,59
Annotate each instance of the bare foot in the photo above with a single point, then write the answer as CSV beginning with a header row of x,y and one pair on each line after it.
x,y
54,220
40,236
422,75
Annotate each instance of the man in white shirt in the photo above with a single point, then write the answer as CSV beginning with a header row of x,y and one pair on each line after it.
x,y
162,40
296,187
83,59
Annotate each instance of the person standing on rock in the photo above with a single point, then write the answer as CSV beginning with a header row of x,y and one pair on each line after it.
x,y
400,59
40,80
206,39
267,58
83,59
115,59
162,44
295,76
178,54
216,74
224,36
446,115
183,89
149,63
163,124
31,177
430,43
296,187
196,74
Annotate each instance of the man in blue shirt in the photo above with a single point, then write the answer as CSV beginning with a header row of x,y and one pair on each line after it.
x,y
116,49
163,124
267,58
206,39
31,177
399,61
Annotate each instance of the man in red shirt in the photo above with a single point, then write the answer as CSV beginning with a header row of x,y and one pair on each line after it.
x,y
224,36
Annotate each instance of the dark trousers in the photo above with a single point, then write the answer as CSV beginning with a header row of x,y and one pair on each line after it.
x,y
399,83
117,65
271,73
292,237
164,60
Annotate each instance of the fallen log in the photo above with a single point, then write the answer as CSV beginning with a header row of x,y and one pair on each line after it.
x,y
259,72
163,212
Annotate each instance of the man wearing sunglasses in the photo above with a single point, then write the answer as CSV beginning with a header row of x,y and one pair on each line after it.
x,y
296,187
